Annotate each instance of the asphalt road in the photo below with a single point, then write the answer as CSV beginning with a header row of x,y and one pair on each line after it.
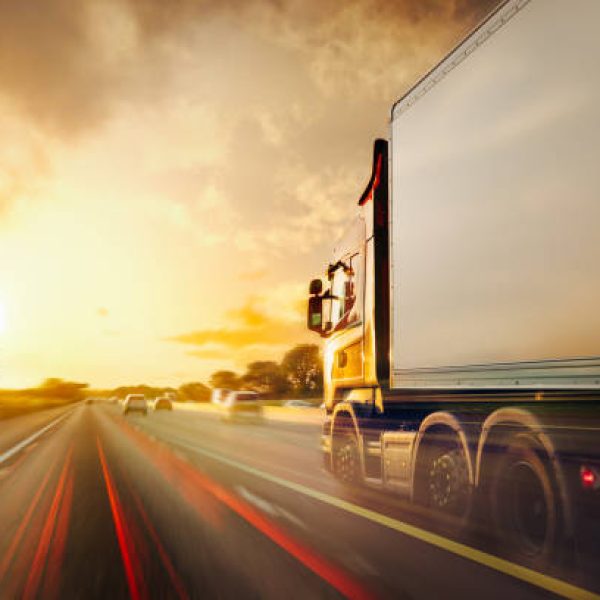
x,y
180,505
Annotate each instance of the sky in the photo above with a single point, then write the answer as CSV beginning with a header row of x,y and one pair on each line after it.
x,y
172,174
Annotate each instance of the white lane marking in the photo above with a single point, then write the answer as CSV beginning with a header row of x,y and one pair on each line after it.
x,y
353,561
547,582
259,502
272,509
27,441
293,518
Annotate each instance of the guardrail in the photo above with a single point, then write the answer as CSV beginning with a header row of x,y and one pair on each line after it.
x,y
290,414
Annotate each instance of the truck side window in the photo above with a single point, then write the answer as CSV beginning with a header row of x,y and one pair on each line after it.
x,y
345,286
354,287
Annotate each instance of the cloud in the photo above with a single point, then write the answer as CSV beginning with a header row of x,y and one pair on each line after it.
x,y
247,326
263,327
214,352
276,76
48,66
370,47
253,275
313,84
24,160
69,67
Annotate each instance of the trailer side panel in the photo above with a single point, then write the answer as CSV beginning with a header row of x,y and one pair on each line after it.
x,y
495,216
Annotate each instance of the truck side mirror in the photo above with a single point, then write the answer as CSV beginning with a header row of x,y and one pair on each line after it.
x,y
315,314
316,287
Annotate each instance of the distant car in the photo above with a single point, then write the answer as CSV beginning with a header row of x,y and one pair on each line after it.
x,y
135,403
163,403
89,400
243,405
219,395
298,404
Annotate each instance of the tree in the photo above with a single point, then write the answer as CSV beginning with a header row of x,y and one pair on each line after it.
x,y
147,390
303,368
59,388
225,379
265,377
194,392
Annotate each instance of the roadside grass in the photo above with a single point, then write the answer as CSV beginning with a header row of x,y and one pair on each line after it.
x,y
15,403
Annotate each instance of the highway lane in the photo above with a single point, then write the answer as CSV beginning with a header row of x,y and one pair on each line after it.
x,y
179,505
19,428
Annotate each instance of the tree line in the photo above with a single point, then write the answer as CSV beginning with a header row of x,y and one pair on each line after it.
x,y
299,373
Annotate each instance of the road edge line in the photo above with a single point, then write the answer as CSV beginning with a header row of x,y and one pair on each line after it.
x,y
28,440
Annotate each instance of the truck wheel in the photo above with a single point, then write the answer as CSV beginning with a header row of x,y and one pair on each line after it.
x,y
448,481
443,479
443,484
346,461
524,504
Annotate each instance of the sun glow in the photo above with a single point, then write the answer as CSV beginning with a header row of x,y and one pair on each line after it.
x,y
2,319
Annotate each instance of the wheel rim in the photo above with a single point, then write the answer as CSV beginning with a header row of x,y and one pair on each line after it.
x,y
527,508
347,461
448,482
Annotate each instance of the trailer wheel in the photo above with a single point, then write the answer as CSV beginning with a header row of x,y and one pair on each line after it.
x,y
524,504
346,460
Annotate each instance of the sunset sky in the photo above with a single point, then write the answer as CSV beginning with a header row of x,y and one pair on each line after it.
x,y
172,174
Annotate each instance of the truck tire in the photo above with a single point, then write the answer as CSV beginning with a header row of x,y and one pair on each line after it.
x,y
524,504
443,481
346,459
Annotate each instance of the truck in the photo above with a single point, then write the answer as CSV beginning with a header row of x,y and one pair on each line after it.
x,y
460,311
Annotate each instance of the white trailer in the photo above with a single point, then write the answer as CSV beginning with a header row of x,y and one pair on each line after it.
x,y
495,206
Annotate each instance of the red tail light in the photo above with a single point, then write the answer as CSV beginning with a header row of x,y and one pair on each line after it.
x,y
589,478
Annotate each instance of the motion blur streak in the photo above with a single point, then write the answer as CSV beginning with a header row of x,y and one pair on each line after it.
x,y
164,557
23,525
39,560
120,527
180,476
329,572
323,568
55,560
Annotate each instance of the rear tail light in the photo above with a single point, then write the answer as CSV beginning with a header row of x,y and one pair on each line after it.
x,y
589,478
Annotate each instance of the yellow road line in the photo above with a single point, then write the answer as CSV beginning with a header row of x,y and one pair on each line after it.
x,y
546,582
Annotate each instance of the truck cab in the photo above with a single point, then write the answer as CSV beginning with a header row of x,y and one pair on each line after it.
x,y
347,314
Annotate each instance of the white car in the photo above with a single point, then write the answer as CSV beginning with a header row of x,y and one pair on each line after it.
x,y
219,395
163,403
135,403
243,405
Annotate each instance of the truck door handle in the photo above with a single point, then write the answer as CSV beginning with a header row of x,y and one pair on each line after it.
x,y
342,359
